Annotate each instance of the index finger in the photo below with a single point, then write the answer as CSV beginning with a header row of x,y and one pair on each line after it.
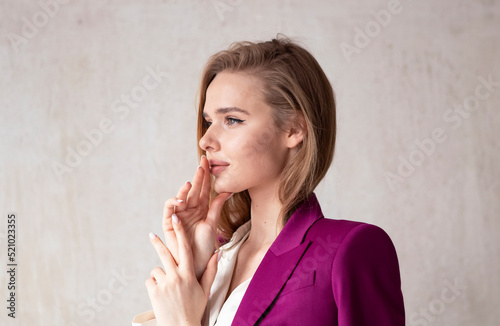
x,y
185,253
171,203
194,194
165,256
207,186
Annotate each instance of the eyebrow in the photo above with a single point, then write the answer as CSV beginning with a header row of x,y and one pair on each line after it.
x,y
228,109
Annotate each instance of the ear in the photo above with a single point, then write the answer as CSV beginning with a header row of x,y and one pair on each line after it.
x,y
298,131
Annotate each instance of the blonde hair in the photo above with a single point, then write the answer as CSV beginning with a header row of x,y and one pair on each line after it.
x,y
297,89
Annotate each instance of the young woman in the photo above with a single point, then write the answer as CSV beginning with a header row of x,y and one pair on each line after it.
x,y
266,131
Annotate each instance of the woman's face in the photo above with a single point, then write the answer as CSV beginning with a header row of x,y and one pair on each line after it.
x,y
244,147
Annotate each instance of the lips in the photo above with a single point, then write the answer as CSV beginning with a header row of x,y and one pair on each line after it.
x,y
217,166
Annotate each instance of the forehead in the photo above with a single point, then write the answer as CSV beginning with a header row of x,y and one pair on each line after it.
x,y
229,89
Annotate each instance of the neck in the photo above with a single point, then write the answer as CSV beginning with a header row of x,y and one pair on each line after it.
x,y
264,212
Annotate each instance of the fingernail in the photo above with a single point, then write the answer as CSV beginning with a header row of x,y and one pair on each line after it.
x,y
175,218
152,235
230,196
219,255
179,200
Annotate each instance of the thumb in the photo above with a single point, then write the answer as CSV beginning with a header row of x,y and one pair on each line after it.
x,y
208,277
216,207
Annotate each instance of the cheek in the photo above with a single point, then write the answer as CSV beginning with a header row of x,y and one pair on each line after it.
x,y
262,150
256,156
260,141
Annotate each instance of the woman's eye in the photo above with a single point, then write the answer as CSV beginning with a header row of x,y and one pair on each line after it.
x,y
232,121
208,124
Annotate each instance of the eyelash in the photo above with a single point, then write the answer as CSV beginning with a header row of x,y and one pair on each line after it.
x,y
228,121
232,121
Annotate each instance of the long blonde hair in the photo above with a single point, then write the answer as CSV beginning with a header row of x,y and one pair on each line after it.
x,y
294,86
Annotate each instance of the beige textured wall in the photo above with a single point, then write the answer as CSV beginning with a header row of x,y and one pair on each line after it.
x,y
417,150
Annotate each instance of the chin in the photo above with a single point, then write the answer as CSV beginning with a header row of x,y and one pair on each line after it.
x,y
221,187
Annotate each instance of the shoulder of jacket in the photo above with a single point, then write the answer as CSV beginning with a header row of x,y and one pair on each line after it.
x,y
338,230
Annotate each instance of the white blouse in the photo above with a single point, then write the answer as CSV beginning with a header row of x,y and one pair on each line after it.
x,y
217,312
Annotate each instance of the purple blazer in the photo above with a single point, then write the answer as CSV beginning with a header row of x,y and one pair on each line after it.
x,y
321,271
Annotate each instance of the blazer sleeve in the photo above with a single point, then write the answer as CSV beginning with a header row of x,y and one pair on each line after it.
x,y
366,282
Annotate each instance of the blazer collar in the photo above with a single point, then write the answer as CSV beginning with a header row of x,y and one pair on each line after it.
x,y
278,264
295,229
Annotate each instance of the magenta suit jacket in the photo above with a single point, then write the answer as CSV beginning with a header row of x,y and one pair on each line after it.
x,y
321,271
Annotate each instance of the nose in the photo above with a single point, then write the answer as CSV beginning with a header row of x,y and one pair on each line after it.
x,y
209,142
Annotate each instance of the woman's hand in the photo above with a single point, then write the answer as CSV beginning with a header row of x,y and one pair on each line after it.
x,y
200,221
176,296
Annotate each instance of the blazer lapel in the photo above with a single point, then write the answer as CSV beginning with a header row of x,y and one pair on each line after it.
x,y
278,264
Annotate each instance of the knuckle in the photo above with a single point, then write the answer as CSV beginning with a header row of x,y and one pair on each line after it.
x,y
172,281
171,202
164,251
175,278
167,227
186,246
156,270
188,283
155,292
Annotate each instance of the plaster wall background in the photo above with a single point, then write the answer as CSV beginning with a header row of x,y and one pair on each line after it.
x,y
83,251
